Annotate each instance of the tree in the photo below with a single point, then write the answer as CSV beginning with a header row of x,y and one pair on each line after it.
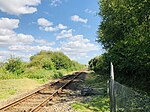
x,y
53,60
124,33
15,65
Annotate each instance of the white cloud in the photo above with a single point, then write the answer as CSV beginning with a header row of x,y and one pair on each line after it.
x,y
51,29
24,38
61,26
44,22
55,3
17,7
76,18
28,48
47,25
65,34
4,55
44,42
77,46
8,36
90,11
6,23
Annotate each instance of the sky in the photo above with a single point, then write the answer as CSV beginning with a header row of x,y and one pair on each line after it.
x,y
69,26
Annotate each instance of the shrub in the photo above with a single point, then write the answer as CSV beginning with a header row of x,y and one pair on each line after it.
x,y
15,65
57,75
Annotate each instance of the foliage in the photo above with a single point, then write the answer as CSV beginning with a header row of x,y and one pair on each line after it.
x,y
124,33
128,100
43,66
53,60
99,64
41,60
43,75
96,103
15,65
57,75
60,60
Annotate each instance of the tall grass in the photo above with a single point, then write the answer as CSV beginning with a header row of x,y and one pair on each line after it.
x,y
40,75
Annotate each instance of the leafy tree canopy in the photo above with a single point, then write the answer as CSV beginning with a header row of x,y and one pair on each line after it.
x,y
124,33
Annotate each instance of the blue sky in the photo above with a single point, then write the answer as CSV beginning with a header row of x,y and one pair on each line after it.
x,y
29,26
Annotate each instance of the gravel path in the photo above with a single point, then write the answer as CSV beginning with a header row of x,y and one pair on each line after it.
x,y
70,95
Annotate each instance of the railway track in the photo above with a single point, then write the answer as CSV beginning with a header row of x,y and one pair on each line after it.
x,y
34,101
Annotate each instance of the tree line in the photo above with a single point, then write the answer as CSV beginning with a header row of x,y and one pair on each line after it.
x,y
125,35
47,60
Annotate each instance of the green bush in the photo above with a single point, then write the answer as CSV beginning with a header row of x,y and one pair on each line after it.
x,y
47,64
35,73
15,65
53,60
57,75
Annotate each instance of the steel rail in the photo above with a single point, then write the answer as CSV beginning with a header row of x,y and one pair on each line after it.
x,y
51,96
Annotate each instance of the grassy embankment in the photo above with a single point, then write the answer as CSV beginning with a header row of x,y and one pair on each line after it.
x,y
12,85
97,103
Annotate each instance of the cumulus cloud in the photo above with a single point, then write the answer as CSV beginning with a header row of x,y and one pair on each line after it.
x,y
6,23
61,26
44,42
4,55
77,46
8,36
19,44
29,48
17,7
44,22
64,34
51,29
47,25
24,38
76,18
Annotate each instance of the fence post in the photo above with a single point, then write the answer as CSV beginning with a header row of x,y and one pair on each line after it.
x,y
111,90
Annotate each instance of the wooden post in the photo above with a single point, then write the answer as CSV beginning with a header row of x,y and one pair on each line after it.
x,y
111,90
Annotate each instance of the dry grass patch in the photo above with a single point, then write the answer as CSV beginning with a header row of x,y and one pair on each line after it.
x,y
13,87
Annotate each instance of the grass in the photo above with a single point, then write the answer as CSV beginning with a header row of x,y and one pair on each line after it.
x,y
13,84
11,87
40,75
98,103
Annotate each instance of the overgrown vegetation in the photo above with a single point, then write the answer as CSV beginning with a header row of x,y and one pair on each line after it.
x,y
124,33
43,66
15,65
16,75
96,103
53,61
